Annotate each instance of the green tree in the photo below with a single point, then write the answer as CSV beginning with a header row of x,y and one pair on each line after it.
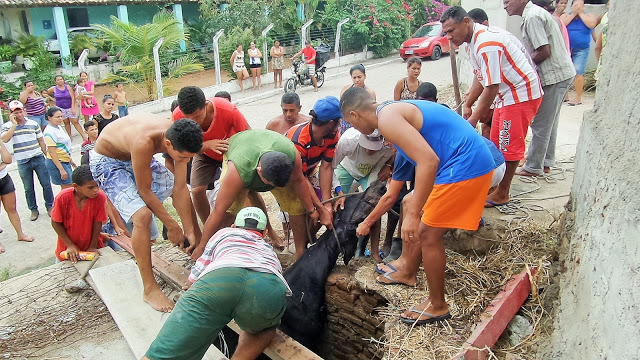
x,y
136,44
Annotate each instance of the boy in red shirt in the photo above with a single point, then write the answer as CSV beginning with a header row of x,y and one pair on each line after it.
x,y
78,214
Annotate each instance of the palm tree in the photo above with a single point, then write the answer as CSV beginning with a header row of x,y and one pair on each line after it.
x,y
136,45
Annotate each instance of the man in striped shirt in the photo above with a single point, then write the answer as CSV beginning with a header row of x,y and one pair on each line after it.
x,y
503,69
237,277
28,149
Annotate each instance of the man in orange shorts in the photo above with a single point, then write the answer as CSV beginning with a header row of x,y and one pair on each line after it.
x,y
453,171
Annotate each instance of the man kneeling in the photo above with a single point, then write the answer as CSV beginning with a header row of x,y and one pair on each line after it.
x,y
237,277
122,163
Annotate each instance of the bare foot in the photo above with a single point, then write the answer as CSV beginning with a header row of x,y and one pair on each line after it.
x,y
547,169
425,311
26,238
276,240
158,300
1,248
377,258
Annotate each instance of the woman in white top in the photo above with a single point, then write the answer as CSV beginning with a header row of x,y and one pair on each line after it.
x,y
237,64
255,64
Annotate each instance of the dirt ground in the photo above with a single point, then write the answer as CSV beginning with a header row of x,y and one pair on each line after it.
x,y
136,93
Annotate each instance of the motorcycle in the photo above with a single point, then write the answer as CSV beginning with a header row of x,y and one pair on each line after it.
x,y
301,76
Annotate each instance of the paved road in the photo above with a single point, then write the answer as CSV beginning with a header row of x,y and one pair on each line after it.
x,y
20,257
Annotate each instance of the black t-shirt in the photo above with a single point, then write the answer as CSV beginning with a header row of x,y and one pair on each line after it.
x,y
102,122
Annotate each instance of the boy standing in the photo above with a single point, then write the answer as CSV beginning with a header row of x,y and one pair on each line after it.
x,y
124,166
78,214
121,100
91,129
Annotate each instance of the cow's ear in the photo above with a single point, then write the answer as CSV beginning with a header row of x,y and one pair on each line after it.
x,y
349,247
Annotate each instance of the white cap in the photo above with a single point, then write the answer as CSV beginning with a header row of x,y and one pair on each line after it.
x,y
375,141
15,104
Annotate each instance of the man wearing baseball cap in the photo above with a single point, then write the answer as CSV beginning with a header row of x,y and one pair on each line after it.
x,y
361,158
28,149
316,142
236,268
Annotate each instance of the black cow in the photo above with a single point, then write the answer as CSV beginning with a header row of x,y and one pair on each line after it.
x,y
305,317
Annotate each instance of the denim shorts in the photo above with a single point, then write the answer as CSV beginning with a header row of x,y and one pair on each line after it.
x,y
579,58
40,119
54,173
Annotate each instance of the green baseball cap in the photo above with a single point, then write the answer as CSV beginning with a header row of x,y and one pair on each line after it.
x,y
251,213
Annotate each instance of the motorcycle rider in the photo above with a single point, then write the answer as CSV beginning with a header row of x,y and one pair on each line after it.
x,y
309,59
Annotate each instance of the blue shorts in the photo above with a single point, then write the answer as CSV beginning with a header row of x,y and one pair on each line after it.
x,y
579,58
115,177
54,173
40,119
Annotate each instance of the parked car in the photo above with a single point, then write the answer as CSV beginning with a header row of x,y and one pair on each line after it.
x,y
427,41
54,46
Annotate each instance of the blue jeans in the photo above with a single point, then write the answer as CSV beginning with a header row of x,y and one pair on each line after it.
x,y
123,110
40,119
37,164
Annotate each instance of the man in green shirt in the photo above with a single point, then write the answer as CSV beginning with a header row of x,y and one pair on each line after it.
x,y
263,160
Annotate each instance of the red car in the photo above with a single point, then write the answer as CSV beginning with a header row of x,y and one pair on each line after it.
x,y
427,41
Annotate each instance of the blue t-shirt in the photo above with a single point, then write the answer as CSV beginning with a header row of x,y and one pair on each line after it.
x,y
462,152
403,170
579,34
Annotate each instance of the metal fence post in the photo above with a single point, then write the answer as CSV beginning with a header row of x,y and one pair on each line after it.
x,y
216,55
303,36
336,49
265,58
156,60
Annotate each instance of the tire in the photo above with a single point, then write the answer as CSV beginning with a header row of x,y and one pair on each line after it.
x,y
320,78
437,53
290,85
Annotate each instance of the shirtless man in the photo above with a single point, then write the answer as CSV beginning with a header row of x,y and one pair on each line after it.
x,y
137,184
291,115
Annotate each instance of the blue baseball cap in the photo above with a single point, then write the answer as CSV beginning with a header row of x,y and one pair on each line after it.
x,y
327,108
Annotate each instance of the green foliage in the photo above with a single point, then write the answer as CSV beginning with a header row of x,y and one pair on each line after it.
x,y
7,53
27,45
228,44
136,44
425,11
256,14
10,90
381,25
80,42
5,274
200,32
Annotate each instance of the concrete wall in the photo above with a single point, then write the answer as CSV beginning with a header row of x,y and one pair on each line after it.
x,y
599,311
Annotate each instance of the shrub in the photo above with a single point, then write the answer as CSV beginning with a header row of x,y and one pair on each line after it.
x,y
381,25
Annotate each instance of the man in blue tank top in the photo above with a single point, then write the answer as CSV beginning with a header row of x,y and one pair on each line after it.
x,y
453,170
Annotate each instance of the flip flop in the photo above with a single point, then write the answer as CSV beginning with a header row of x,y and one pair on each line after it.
x,y
574,103
382,272
393,282
430,318
494,204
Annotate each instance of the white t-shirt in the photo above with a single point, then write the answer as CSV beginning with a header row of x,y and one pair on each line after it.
x,y
354,157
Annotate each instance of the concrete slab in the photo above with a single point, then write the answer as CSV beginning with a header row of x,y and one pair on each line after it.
x,y
120,288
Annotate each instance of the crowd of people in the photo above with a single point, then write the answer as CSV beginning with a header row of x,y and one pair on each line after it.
x,y
441,173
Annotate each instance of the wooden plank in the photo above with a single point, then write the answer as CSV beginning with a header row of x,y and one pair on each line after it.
x,y
173,273
282,347
497,316
121,291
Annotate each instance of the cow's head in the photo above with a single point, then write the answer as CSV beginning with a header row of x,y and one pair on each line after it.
x,y
357,208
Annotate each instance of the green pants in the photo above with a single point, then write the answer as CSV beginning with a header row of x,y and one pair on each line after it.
x,y
254,299
346,180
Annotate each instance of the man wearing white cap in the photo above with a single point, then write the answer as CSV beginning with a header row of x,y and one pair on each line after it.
x,y
28,149
237,277
362,158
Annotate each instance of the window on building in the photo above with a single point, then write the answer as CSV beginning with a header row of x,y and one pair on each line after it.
x,y
78,17
24,22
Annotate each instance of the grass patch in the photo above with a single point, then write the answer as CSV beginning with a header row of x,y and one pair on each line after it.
x,y
5,273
